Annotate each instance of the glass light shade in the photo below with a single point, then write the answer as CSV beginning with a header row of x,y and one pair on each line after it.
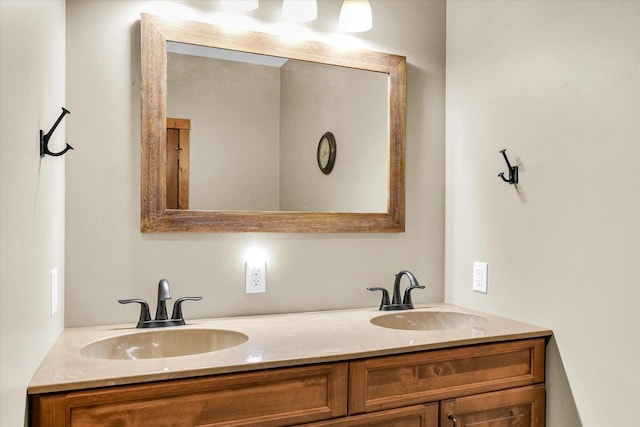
x,y
355,16
239,5
299,10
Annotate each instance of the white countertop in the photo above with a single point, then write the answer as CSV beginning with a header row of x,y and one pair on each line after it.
x,y
274,341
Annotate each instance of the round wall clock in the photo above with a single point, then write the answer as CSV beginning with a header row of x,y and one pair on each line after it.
x,y
326,154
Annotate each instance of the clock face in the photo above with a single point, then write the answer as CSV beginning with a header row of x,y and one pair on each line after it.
x,y
326,155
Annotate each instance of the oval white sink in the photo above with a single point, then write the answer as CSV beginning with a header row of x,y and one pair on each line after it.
x,y
163,343
428,320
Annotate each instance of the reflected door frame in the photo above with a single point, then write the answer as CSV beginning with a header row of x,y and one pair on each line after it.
x,y
178,163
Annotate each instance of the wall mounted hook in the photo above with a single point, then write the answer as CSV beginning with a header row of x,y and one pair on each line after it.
x,y
44,138
513,170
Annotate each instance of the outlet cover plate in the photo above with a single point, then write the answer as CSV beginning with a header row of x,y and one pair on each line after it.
x,y
255,277
480,277
54,292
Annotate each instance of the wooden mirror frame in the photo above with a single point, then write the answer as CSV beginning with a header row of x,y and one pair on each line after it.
x,y
155,217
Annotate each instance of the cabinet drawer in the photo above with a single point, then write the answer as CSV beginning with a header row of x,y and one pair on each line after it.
x,y
267,398
408,379
412,416
516,407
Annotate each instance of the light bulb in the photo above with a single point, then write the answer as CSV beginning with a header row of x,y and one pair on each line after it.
x,y
239,5
299,10
355,16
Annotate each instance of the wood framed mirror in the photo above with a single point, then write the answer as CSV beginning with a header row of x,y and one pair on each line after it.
x,y
158,33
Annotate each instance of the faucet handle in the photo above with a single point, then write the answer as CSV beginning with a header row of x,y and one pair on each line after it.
x,y
407,294
385,296
177,307
145,316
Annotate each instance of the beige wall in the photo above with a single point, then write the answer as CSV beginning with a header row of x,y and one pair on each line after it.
x,y
351,104
558,85
108,258
32,84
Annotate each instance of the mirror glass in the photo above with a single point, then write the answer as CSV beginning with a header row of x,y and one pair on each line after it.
x,y
255,107
257,120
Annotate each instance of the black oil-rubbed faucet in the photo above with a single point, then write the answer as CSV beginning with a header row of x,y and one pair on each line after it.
x,y
161,319
396,303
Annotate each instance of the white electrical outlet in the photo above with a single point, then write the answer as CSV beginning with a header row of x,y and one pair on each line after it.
x,y
480,276
54,291
256,277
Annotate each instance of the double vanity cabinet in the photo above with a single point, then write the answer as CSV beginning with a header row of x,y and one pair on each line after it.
x,y
337,370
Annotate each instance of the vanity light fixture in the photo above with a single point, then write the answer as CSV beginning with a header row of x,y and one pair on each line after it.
x,y
300,10
355,16
239,5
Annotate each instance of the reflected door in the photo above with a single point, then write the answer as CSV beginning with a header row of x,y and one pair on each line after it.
x,y
178,163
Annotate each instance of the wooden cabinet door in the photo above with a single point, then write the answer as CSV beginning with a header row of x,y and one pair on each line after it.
x,y
278,397
522,407
408,379
412,416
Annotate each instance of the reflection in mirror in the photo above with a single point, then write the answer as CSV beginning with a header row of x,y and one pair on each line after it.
x,y
256,121
255,129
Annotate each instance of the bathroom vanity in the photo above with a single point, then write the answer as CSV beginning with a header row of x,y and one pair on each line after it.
x,y
318,369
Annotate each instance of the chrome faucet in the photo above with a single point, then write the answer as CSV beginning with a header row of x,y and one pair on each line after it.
x,y
396,303
161,319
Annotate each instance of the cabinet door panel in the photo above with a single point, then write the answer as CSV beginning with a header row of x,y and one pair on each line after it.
x,y
394,381
268,398
522,407
412,416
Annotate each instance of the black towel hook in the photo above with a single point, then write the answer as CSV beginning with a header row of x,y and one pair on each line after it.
x,y
513,170
44,138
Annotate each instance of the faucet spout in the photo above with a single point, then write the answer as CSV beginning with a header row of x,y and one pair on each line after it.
x,y
163,295
397,299
399,303
161,319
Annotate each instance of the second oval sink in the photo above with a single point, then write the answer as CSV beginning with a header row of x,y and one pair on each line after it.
x,y
163,343
428,320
